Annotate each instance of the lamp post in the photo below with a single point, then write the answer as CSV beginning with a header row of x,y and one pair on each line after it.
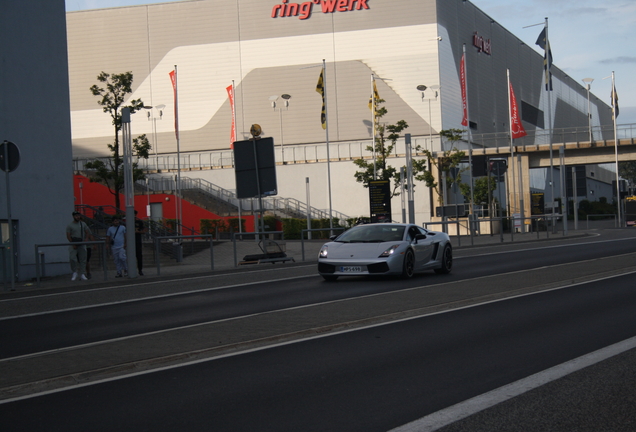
x,y
286,97
422,88
588,84
152,117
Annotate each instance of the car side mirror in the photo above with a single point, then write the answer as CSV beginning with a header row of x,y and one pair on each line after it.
x,y
420,237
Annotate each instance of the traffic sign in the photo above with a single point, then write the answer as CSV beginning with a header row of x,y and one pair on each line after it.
x,y
9,156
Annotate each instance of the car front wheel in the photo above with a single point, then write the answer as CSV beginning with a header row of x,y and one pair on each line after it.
x,y
408,266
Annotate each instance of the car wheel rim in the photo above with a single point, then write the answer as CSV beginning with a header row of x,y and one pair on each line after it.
x,y
448,258
410,264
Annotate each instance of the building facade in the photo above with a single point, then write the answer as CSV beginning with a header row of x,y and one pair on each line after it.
x,y
269,48
35,116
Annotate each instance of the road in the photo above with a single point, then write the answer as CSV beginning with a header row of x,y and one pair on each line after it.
x,y
358,354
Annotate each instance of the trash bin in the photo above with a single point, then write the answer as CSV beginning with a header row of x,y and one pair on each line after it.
x,y
177,250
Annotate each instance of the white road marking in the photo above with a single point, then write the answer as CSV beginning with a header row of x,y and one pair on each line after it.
x,y
463,409
479,403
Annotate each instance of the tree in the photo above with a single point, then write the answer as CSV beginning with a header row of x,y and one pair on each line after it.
x,y
382,150
447,163
627,170
116,88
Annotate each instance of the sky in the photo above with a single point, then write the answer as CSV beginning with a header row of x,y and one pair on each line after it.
x,y
589,38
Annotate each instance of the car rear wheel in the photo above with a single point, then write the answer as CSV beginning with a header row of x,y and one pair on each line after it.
x,y
330,278
408,266
447,261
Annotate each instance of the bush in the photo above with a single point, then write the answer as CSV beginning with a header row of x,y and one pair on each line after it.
x,y
212,226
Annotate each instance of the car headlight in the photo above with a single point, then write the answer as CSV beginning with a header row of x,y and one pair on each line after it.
x,y
389,251
323,252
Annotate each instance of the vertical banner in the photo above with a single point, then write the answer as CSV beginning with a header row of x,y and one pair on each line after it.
x,y
516,128
320,88
173,79
230,95
462,78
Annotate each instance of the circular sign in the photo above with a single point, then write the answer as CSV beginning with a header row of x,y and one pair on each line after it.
x,y
256,130
9,156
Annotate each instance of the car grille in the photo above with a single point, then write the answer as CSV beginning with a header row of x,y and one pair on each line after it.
x,y
326,268
378,268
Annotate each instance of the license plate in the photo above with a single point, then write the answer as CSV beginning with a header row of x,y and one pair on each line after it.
x,y
351,269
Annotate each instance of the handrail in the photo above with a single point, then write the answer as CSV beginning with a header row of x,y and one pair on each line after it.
x,y
101,244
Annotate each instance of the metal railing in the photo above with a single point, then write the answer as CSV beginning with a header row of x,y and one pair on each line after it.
x,y
515,225
302,236
40,262
350,150
177,248
284,205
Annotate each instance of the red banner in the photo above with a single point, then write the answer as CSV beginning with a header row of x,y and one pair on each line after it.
x,y
173,79
462,78
515,122
230,95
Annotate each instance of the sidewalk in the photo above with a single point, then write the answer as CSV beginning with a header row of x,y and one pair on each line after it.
x,y
225,258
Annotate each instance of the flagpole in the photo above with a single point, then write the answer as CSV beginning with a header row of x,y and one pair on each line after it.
x,y
470,141
324,84
512,152
548,88
176,125
373,102
614,115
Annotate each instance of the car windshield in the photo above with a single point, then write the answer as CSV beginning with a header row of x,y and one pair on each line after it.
x,y
372,234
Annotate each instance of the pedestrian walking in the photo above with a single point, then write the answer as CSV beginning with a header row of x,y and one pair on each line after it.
x,y
116,241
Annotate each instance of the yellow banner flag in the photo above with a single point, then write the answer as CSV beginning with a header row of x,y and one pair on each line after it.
x,y
321,89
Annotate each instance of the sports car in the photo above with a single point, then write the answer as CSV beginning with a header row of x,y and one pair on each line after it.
x,y
385,249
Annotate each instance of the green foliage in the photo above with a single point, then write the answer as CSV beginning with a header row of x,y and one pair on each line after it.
x,y
293,227
447,163
211,226
233,224
627,170
480,189
385,141
112,91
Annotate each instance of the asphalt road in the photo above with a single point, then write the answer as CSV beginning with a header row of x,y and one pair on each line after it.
x,y
322,375
372,379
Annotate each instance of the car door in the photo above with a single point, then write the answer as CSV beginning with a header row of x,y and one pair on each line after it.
x,y
423,247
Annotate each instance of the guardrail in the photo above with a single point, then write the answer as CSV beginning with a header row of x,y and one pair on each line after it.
x,y
302,236
515,225
40,262
177,246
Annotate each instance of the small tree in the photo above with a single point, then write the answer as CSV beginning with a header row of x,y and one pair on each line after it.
x,y
447,163
383,147
112,97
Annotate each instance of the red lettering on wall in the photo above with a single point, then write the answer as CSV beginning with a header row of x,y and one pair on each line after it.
x,y
304,10
482,45
328,6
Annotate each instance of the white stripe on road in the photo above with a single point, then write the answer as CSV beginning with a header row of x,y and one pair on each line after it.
x,y
479,403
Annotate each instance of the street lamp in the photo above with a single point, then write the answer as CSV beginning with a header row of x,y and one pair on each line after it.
x,y
285,103
588,84
423,88
152,117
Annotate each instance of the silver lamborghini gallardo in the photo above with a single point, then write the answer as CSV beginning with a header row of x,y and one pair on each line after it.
x,y
385,249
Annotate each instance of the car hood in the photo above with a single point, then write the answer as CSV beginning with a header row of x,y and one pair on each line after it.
x,y
357,250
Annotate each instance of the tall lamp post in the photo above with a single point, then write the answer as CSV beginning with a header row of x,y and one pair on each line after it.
x,y
422,88
588,84
285,104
